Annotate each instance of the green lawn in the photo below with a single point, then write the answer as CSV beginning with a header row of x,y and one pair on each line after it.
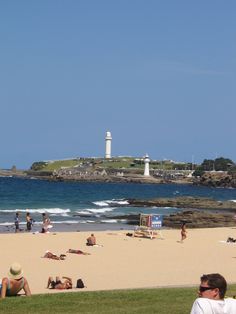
x,y
161,301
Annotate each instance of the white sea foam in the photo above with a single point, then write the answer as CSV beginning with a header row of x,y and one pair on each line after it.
x,y
101,203
84,213
38,210
109,221
113,202
233,201
6,224
66,222
101,210
119,202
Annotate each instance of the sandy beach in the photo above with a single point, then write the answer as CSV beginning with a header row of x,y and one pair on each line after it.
x,y
122,262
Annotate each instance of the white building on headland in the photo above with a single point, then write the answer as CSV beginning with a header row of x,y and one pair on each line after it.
x,y
108,139
146,166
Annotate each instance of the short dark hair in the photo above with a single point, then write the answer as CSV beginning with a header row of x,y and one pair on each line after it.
x,y
216,281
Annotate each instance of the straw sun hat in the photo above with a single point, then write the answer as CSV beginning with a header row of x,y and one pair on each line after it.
x,y
15,271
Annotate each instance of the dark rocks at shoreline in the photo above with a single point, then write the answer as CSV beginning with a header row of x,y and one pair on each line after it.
x,y
186,202
199,219
193,219
198,213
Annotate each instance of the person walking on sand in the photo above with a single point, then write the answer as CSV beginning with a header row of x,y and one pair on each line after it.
x,y
17,222
183,232
14,283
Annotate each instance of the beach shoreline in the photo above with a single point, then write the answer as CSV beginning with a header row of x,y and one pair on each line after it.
x,y
122,262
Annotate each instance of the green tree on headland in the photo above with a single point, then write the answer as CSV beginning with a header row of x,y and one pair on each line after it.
x,y
218,164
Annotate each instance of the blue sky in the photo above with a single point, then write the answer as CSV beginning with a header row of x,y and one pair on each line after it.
x,y
160,75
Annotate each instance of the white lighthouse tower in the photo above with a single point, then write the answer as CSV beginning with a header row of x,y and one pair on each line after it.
x,y
108,145
146,166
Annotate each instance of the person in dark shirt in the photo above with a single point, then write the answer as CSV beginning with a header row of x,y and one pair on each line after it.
x,y
17,223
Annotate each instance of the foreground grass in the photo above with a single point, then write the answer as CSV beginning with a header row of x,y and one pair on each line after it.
x,y
161,301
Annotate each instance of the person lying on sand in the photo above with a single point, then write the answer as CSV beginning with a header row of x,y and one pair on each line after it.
x,y
51,255
77,252
14,283
59,284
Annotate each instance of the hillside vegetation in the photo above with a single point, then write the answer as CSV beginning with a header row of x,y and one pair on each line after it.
x,y
112,163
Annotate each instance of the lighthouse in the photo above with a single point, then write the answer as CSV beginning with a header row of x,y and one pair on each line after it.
x,y
108,139
146,166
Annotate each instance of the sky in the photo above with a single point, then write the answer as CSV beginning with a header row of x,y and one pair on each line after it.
x,y
159,75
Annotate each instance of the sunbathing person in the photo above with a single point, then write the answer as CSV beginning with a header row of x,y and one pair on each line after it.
x,y
51,255
14,283
77,252
59,284
91,240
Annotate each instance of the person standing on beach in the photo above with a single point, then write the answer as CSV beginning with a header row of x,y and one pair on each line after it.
x,y
29,222
17,223
46,223
183,232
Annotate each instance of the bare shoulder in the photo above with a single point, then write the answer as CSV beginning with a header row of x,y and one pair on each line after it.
x,y
5,280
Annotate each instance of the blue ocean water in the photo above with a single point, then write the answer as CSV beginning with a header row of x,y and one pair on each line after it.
x,y
87,202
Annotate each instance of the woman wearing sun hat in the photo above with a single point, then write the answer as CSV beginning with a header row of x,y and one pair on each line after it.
x,y
15,282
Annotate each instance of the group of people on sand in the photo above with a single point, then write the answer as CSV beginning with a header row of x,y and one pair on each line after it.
x,y
211,292
91,241
15,282
46,223
29,222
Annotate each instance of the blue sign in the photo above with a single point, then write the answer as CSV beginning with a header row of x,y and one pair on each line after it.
x,y
156,221
151,221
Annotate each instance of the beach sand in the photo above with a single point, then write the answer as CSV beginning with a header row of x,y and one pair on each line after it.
x,y
123,262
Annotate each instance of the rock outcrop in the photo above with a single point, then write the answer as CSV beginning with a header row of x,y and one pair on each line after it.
x,y
199,219
198,213
218,179
186,202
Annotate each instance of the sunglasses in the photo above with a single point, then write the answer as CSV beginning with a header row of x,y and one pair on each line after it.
x,y
202,289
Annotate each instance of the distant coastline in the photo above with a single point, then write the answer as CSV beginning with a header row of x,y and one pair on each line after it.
x,y
127,170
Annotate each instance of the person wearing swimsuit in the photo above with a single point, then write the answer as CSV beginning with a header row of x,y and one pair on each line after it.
x,y
59,284
183,232
15,282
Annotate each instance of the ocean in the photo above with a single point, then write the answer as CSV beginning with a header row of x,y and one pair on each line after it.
x,y
75,206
